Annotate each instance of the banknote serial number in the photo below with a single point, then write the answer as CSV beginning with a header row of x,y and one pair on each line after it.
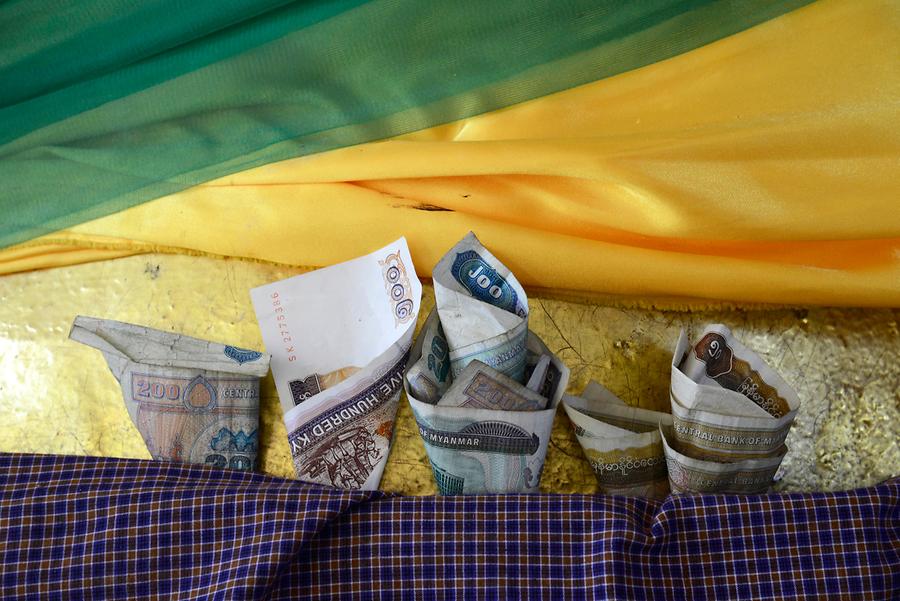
x,y
284,331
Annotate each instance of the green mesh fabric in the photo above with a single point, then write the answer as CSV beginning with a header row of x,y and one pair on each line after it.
x,y
105,104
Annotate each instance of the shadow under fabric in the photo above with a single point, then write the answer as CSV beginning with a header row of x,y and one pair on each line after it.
x,y
725,161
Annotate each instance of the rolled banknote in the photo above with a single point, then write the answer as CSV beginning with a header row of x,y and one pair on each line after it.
x,y
482,308
340,339
692,475
621,443
477,450
538,374
430,377
727,404
192,400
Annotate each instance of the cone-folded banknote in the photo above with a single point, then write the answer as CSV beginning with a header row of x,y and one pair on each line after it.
x,y
482,387
621,443
192,400
340,339
731,415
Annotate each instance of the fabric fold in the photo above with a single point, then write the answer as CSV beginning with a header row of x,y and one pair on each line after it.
x,y
734,172
83,526
170,103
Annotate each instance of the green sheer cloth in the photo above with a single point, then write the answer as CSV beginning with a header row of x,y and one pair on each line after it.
x,y
105,104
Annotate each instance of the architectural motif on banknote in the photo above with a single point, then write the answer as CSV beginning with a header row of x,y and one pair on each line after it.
x,y
340,338
487,437
479,450
342,441
487,455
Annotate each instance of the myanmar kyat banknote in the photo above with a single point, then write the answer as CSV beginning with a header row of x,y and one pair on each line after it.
x,y
483,309
691,475
339,339
192,400
429,377
731,415
727,404
476,449
621,443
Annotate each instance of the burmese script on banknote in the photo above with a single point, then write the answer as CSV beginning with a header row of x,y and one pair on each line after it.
x,y
690,475
340,339
728,407
474,449
483,388
192,400
622,443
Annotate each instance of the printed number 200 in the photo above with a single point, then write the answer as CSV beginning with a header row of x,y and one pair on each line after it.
x,y
158,390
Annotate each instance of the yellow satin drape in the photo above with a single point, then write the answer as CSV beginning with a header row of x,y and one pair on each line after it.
x,y
760,168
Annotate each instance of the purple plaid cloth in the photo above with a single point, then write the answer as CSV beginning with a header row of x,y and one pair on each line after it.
x,y
95,528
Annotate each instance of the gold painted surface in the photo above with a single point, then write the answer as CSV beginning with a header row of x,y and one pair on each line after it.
x,y
57,396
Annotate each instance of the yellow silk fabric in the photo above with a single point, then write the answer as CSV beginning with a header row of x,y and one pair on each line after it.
x,y
760,168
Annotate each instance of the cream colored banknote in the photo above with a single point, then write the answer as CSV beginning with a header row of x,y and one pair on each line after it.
x,y
340,339
474,448
483,309
192,400
727,404
692,475
621,443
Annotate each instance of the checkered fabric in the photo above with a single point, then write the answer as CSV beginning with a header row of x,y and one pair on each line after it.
x,y
97,528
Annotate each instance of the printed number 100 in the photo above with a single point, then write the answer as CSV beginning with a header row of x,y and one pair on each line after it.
x,y
484,282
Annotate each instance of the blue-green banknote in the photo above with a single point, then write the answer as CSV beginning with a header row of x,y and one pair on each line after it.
x,y
482,308
489,433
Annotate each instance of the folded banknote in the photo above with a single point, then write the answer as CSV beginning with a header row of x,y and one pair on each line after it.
x,y
483,388
731,415
483,310
692,475
192,400
429,377
726,402
621,443
339,339
474,449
